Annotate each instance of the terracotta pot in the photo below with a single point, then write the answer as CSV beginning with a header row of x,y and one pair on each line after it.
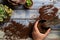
x,y
15,4
42,26
23,2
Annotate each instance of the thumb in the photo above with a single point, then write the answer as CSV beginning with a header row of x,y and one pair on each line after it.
x,y
35,27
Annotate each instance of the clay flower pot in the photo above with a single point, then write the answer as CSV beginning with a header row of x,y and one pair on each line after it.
x,y
42,26
17,2
28,6
23,2
13,3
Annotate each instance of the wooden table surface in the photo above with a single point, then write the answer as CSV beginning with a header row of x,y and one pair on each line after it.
x,y
25,16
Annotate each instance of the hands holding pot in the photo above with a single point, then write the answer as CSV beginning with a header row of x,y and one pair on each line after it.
x,y
37,35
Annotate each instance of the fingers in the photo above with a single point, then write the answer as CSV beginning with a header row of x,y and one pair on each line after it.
x,y
35,27
47,32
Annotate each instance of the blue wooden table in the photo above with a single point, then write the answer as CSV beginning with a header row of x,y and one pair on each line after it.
x,y
25,16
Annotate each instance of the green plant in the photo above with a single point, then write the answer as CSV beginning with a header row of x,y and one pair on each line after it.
x,y
4,12
28,2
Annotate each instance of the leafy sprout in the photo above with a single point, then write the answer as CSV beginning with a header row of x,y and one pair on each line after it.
x,y
28,2
4,12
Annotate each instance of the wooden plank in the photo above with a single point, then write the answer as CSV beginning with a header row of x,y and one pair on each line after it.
x,y
54,35
25,14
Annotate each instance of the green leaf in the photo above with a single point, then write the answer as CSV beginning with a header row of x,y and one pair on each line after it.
x,y
1,19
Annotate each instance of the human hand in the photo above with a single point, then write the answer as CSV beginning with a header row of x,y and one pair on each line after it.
x,y
36,33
